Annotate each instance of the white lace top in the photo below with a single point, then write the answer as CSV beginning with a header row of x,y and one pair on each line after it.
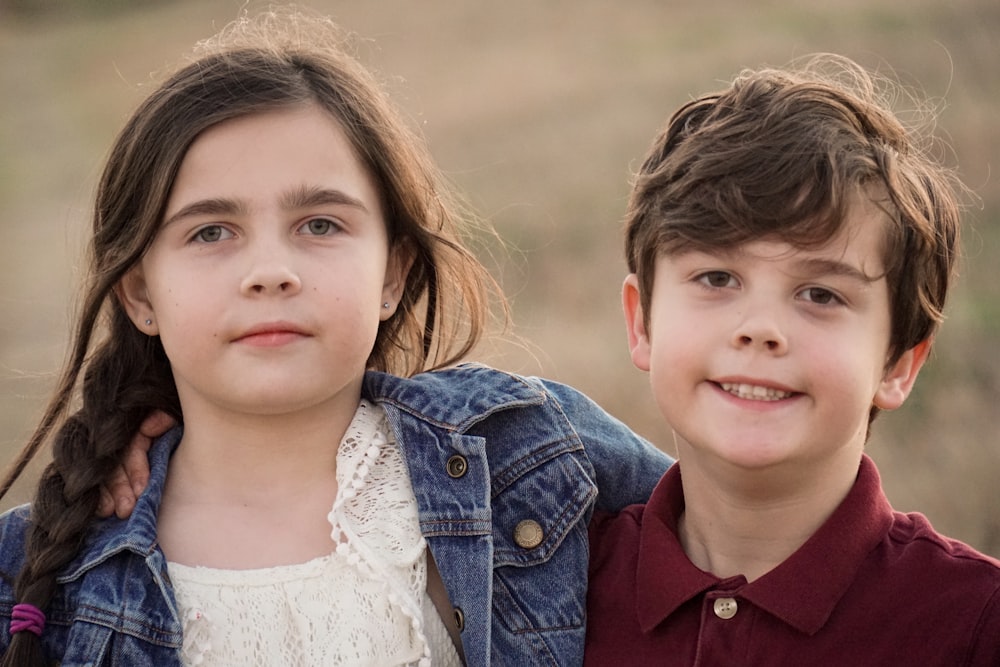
x,y
364,604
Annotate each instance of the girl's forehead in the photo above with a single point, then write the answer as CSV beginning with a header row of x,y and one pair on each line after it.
x,y
283,121
283,151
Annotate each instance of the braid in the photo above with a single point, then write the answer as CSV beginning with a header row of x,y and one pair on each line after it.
x,y
60,515
127,377
257,66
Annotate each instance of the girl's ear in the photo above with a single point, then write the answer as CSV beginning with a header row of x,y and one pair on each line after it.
x,y
899,379
132,294
401,258
635,323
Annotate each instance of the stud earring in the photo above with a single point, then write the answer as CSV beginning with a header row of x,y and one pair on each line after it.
x,y
148,321
386,305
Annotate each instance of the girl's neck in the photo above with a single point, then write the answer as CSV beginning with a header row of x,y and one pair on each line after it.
x,y
239,455
739,522
252,492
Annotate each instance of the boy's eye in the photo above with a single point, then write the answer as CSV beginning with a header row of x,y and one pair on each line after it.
x,y
319,227
820,296
717,279
211,234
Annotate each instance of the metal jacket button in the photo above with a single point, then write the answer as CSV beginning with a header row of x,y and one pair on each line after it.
x,y
459,619
528,534
456,466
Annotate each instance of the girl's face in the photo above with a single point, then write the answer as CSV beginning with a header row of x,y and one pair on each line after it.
x,y
267,279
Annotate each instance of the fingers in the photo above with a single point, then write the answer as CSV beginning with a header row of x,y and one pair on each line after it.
x,y
122,492
117,496
155,425
106,505
124,486
136,463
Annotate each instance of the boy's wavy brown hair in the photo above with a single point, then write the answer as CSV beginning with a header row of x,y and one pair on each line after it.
x,y
782,154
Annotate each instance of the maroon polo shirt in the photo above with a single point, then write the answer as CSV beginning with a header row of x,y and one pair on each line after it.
x,y
870,587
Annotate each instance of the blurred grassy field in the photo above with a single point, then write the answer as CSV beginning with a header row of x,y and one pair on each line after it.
x,y
539,112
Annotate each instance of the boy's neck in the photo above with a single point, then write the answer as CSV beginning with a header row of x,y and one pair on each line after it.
x,y
747,522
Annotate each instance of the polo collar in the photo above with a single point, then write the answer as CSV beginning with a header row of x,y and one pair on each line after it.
x,y
802,591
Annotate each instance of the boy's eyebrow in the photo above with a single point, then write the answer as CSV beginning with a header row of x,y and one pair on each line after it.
x,y
302,197
818,266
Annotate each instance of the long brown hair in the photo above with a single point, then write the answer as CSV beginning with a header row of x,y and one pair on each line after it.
x,y
269,62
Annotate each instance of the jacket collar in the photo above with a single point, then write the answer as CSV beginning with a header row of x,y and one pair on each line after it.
x,y
453,398
138,532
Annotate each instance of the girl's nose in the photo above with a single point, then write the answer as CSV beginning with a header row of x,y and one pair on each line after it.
x,y
271,276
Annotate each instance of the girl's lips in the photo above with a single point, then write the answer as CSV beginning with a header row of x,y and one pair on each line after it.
x,y
272,334
271,338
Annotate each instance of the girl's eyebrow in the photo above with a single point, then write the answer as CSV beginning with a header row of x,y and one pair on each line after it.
x,y
302,197
216,206
307,196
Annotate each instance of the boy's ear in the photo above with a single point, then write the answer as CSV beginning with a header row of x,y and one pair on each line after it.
x,y
401,258
132,294
635,323
899,379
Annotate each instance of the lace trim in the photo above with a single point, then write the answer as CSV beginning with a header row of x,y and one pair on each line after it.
x,y
381,538
378,565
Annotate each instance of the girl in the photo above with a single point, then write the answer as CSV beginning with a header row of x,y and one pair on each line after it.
x,y
273,263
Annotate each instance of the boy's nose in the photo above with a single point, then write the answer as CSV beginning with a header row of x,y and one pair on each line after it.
x,y
761,332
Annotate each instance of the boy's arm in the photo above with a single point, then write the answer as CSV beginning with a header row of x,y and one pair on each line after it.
x,y
128,481
985,649
626,466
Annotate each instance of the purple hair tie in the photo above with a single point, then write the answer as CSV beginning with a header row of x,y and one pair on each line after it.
x,y
27,617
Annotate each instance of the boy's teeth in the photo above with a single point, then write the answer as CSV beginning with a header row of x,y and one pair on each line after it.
x,y
754,392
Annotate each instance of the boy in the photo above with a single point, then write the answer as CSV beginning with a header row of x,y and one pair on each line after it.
x,y
790,250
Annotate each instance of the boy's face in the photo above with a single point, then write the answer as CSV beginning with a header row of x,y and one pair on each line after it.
x,y
767,355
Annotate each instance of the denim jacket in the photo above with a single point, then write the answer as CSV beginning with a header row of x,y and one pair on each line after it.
x,y
506,471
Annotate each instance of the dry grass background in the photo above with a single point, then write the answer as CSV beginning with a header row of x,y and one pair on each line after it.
x,y
539,112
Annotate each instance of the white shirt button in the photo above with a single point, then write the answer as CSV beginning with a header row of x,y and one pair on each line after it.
x,y
724,608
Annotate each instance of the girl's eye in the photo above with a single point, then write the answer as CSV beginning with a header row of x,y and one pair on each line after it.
x,y
820,296
717,279
320,227
212,234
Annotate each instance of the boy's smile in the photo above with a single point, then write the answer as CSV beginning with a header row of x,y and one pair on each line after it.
x,y
768,354
791,242
754,392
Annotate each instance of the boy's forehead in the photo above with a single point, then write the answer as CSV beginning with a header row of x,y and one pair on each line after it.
x,y
866,223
